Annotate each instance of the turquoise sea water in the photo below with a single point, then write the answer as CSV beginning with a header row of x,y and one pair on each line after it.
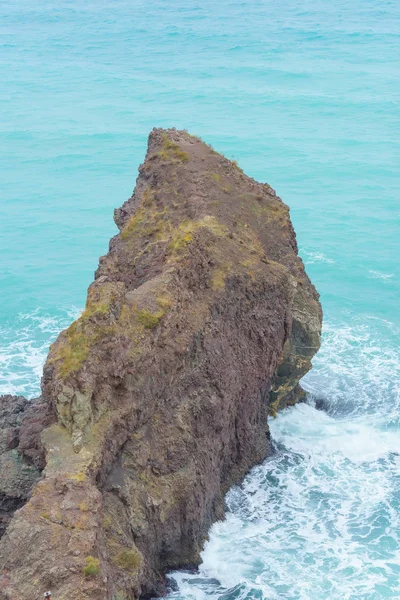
x,y
305,95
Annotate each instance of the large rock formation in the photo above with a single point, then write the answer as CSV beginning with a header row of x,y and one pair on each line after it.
x,y
200,321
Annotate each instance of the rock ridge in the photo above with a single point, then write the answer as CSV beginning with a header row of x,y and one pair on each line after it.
x,y
199,323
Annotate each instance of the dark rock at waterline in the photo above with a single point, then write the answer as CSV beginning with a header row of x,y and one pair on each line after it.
x,y
21,452
321,404
200,322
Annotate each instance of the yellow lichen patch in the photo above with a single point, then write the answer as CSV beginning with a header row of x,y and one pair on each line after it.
x,y
164,302
135,320
270,210
146,222
218,277
148,319
133,223
183,235
148,196
170,151
92,567
131,328
98,308
79,476
107,523
251,243
126,313
72,351
101,297
72,348
273,408
235,164
129,560
67,465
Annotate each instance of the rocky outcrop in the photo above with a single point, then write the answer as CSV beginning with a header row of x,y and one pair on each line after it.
x,y
21,452
201,321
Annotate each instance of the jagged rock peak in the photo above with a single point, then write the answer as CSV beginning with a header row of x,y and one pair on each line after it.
x,y
200,321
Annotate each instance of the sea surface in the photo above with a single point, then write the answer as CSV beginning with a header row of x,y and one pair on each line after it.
x,y
305,96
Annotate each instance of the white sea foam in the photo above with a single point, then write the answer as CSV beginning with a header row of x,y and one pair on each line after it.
x,y
23,349
319,519
355,372
385,277
315,257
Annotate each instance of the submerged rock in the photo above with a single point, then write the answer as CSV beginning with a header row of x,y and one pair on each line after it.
x,y
201,321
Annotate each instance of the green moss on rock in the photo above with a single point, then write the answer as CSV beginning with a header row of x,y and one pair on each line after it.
x,y
73,350
148,319
170,151
133,224
129,560
92,566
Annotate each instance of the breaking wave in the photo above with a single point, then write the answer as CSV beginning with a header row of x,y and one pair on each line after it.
x,y
24,344
320,518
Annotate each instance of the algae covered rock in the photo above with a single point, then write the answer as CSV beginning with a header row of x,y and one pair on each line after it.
x,y
200,321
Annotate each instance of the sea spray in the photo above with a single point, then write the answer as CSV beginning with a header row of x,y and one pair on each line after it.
x,y
24,344
320,518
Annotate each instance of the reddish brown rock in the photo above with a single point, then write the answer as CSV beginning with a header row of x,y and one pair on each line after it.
x,y
200,322
21,452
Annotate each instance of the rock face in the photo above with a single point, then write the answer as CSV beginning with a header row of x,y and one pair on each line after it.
x,y
201,321
22,456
